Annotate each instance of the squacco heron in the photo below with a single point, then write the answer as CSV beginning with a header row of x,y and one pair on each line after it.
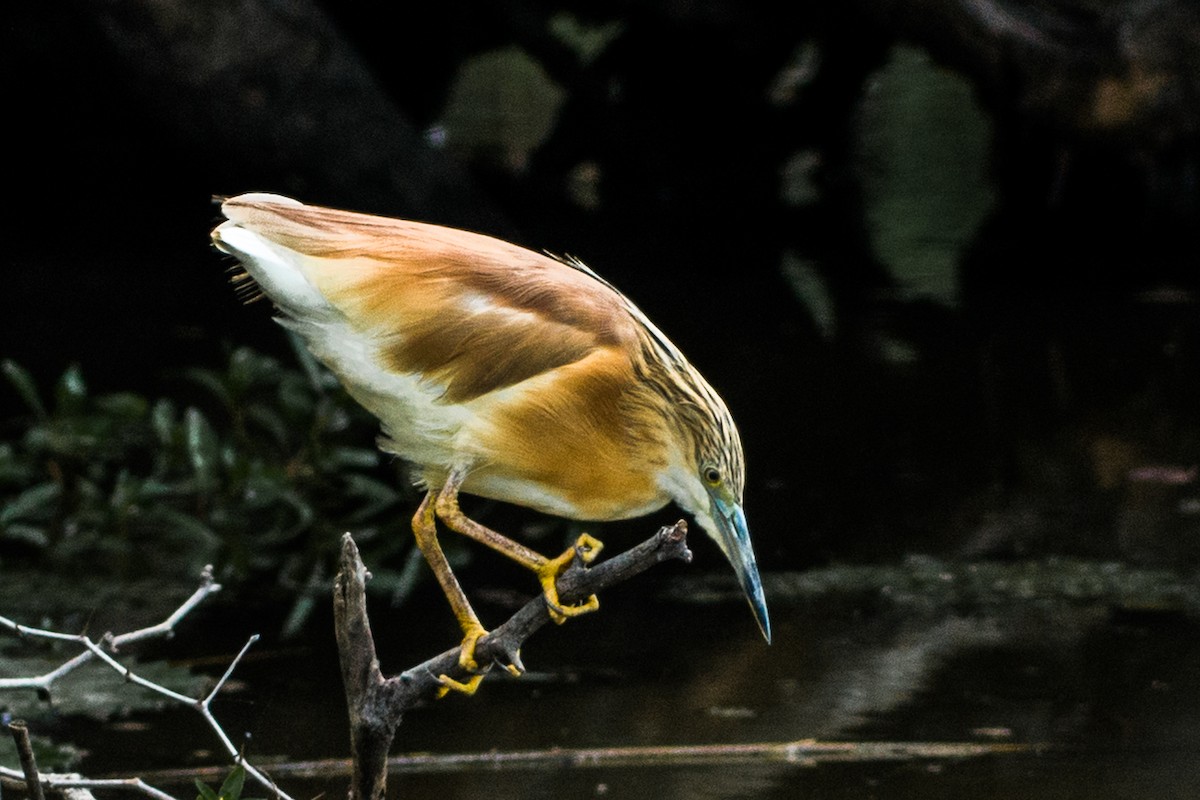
x,y
504,373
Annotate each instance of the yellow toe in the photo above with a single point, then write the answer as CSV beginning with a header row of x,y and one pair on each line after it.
x,y
448,685
586,548
472,633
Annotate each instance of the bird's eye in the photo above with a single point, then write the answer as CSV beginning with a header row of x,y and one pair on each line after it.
x,y
712,475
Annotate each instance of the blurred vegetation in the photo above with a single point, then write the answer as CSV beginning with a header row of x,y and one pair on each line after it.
x,y
50,756
256,468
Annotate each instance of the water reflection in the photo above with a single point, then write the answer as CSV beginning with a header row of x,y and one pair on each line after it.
x,y
1105,696
1108,701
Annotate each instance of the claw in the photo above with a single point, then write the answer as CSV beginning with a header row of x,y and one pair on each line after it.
x,y
514,666
586,549
448,684
472,633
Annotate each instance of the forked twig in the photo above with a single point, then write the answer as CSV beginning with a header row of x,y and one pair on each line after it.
x,y
165,628
103,651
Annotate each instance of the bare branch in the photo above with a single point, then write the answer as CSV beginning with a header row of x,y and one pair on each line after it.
x,y
370,732
377,704
71,781
501,646
20,735
232,666
166,628
162,629
103,651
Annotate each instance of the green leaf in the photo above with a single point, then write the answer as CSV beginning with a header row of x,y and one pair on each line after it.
x,y
318,377
162,419
125,405
126,490
299,614
296,397
402,584
211,381
184,526
41,498
206,793
354,457
269,420
29,534
231,789
247,368
151,489
14,469
23,382
371,497
70,395
203,448
280,497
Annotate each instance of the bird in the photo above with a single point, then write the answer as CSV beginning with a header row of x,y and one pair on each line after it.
x,y
499,372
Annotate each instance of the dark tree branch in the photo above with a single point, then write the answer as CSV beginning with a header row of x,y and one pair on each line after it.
x,y
33,783
377,704
370,735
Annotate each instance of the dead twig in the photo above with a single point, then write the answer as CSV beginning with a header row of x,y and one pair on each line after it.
x,y
42,683
20,734
76,787
808,752
103,651
377,704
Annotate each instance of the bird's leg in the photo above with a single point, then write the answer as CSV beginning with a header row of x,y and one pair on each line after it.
x,y
546,569
425,532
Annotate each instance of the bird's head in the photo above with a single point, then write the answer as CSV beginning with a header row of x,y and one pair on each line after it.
x,y
709,486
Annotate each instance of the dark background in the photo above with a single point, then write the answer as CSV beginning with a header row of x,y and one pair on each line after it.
x,y
771,183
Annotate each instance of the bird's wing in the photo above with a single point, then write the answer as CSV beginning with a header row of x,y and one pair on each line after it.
x,y
471,312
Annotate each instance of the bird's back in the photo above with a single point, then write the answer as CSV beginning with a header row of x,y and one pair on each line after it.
x,y
465,347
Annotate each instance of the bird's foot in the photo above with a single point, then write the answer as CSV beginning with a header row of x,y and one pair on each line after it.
x,y
472,633
586,548
466,661
448,685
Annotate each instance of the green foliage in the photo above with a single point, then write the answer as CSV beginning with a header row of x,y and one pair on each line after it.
x,y
231,789
258,470
50,756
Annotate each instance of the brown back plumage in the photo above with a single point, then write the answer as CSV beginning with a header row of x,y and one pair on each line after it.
x,y
471,312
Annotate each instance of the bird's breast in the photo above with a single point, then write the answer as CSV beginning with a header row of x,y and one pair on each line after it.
x,y
565,442
591,502
569,442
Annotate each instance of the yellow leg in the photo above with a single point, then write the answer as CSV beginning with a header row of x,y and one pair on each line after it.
x,y
425,532
547,570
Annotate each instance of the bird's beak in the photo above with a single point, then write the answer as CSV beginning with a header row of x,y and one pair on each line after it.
x,y
735,542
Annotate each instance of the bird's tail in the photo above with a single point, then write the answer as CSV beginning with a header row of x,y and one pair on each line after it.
x,y
257,234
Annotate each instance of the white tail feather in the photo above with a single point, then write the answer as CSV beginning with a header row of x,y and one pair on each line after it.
x,y
277,270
